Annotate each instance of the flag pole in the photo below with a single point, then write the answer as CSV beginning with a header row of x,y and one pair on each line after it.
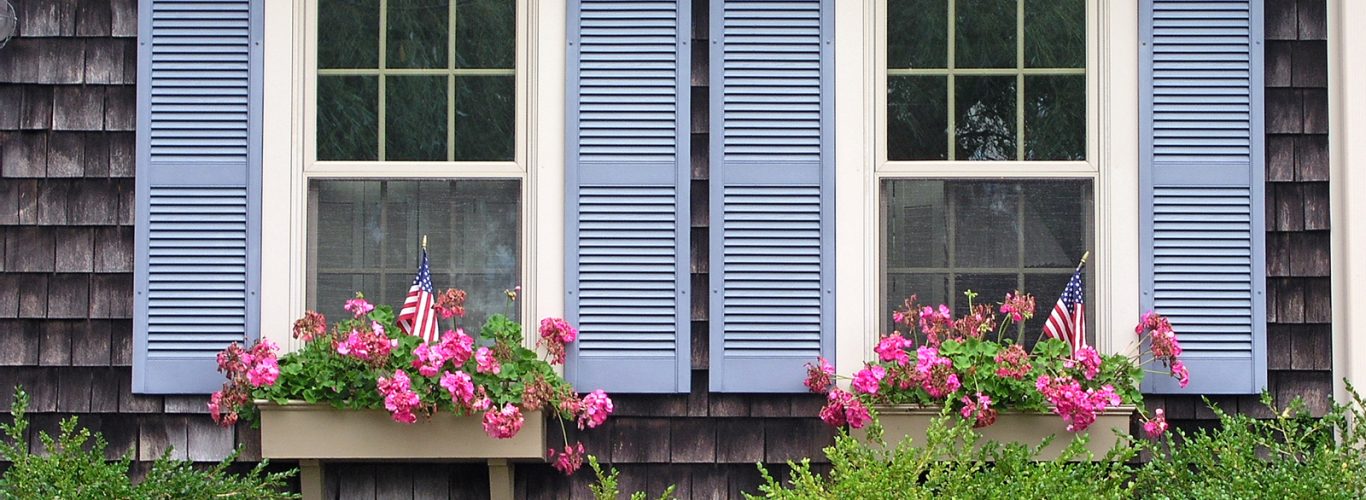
x,y
1079,265
424,246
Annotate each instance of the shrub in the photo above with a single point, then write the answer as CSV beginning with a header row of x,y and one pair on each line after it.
x,y
75,467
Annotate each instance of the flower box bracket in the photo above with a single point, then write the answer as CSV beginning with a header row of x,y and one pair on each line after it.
x,y
314,434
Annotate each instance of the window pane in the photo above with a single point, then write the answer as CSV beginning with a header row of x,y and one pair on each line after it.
x,y
917,118
1055,117
985,113
985,36
348,35
944,237
1055,33
485,109
348,118
418,33
415,118
485,33
917,33
365,234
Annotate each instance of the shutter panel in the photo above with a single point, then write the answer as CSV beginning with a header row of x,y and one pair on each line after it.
x,y
772,186
1202,181
198,189
627,202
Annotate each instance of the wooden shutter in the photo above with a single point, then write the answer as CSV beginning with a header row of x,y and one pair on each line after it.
x,y
772,187
627,201
1203,261
198,189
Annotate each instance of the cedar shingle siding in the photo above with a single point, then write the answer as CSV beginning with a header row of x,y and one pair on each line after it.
x,y
66,194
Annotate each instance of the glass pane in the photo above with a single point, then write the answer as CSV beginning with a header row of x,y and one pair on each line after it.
x,y
985,36
348,118
415,118
1055,117
917,118
418,32
1055,33
473,241
918,234
485,33
1004,234
917,33
485,108
985,111
348,34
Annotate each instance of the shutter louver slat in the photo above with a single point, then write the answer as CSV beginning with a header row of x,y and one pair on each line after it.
x,y
771,193
198,226
627,185
1202,189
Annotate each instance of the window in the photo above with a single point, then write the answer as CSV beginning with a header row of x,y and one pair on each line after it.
x,y
415,109
969,84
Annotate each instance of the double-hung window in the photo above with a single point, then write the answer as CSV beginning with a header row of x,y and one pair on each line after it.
x,y
986,149
414,107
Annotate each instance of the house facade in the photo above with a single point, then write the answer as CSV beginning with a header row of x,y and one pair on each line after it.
x,y
716,192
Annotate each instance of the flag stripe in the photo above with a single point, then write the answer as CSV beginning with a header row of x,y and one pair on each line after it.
x,y
416,316
1067,321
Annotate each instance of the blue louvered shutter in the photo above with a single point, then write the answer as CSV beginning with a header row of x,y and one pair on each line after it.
x,y
627,284
1203,261
198,189
772,188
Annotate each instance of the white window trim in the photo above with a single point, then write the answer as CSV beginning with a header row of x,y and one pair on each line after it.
x,y
1112,152
288,151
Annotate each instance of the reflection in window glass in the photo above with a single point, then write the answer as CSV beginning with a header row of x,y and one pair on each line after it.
x,y
976,80
943,237
440,87
364,235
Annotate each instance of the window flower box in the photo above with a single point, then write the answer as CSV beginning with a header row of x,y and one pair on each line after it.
x,y
900,422
299,430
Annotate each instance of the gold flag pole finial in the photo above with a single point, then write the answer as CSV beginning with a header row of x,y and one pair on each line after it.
x,y
1083,259
424,243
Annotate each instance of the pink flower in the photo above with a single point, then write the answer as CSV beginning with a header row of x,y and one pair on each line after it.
x,y
311,326
399,397
214,401
487,363
1019,306
1183,376
893,348
1090,361
265,372
451,303
819,377
594,409
504,423
456,346
978,410
428,359
1156,426
555,334
1013,363
569,460
936,372
868,379
461,387
359,306
933,321
1076,406
843,408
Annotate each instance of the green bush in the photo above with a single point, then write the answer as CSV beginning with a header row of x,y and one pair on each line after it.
x,y
74,467
1292,455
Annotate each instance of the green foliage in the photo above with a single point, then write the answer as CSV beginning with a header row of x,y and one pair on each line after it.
x,y
606,487
75,467
1291,455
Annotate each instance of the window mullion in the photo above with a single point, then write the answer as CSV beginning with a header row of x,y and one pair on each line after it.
x,y
383,64
450,82
952,96
1019,81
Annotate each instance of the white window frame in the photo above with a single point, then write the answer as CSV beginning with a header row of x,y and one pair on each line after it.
x,y
289,150
861,158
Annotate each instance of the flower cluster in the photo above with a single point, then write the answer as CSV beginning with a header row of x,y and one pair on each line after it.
x,y
359,306
843,408
1077,406
569,460
594,409
555,334
454,347
451,303
313,325
979,362
367,344
1157,425
503,423
399,397
246,369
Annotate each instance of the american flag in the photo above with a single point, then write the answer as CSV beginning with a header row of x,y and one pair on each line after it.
x,y
1068,319
417,316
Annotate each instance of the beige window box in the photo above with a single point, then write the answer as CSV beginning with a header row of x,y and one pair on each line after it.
x,y
1027,428
313,433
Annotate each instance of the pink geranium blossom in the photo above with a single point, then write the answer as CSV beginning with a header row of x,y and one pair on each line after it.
x,y
978,409
456,346
556,333
399,397
1013,362
359,306
311,326
486,362
569,460
819,376
1077,406
843,408
936,373
1156,426
1019,306
868,379
503,423
594,409
428,358
461,388
893,348
1089,360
